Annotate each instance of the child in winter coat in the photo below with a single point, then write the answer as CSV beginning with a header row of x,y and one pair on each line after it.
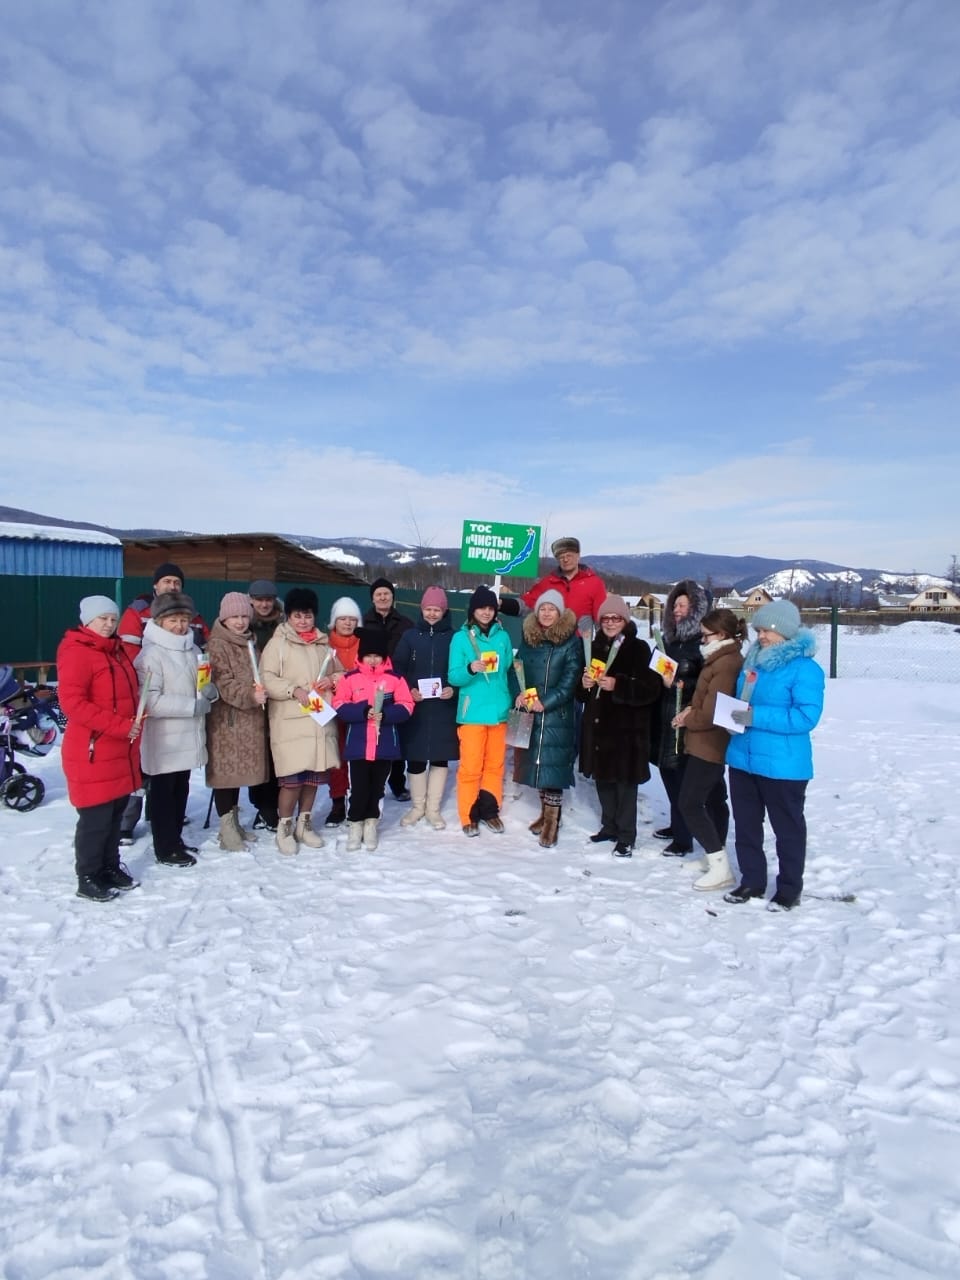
x,y
373,742
481,667
173,741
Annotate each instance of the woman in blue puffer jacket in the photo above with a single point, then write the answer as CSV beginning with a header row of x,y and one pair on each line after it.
x,y
771,762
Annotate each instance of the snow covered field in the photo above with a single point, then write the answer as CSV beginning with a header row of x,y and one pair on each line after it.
x,y
483,1059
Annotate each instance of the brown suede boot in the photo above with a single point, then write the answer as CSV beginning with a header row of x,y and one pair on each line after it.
x,y
536,826
551,824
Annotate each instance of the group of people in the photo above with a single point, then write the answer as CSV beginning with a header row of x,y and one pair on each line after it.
x,y
269,701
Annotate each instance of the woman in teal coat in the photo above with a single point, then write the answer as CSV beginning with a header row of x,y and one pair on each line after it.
x,y
552,655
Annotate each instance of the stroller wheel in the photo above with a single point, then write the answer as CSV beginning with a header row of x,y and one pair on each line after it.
x,y
22,792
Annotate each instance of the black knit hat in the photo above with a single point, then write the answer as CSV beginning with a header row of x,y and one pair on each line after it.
x,y
300,599
168,570
373,639
382,582
483,598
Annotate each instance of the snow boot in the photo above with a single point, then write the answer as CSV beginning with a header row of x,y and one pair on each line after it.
x,y
95,889
436,782
551,823
230,838
719,876
536,826
244,834
338,812
418,797
305,833
118,877
370,826
354,836
286,840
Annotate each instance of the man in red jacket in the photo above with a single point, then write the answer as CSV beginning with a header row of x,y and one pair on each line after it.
x,y
582,590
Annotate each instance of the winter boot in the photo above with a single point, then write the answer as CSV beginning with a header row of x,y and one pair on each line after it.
x,y
418,796
305,833
354,836
370,826
436,782
551,823
338,812
93,888
536,826
286,840
719,876
230,838
244,834
118,877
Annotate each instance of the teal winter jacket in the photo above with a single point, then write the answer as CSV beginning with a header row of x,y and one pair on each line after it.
x,y
784,685
553,663
485,697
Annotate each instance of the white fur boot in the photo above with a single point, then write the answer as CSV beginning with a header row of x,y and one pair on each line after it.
x,y
719,875
354,836
436,781
417,784
370,826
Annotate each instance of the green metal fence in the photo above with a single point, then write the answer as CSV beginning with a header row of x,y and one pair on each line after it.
x,y
35,612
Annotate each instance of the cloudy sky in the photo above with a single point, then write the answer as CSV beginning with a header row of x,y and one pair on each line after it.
x,y
668,275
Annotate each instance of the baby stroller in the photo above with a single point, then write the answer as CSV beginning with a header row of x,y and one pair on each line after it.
x,y
21,730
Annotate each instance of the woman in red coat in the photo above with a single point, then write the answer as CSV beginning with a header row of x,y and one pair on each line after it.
x,y
99,691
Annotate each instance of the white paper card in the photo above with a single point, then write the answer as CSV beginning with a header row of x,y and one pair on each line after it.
x,y
431,687
723,712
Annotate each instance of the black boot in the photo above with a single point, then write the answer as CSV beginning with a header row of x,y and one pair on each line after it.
x,y
92,887
338,812
118,877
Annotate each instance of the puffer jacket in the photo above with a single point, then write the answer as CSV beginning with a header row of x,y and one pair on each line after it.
x,y
97,687
485,698
298,743
423,653
173,737
552,664
393,622
615,731
785,689
237,725
702,738
584,593
354,698
681,641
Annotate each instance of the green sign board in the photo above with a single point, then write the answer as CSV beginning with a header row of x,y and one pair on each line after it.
x,y
500,549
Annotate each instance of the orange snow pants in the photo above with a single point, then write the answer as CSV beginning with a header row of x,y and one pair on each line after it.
x,y
483,751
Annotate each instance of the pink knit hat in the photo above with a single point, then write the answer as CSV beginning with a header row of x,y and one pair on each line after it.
x,y
434,597
235,604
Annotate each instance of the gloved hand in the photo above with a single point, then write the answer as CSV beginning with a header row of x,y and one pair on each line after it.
x,y
210,692
744,717
510,606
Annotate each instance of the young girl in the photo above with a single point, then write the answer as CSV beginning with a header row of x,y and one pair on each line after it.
x,y
430,735
173,738
481,667
372,739
236,741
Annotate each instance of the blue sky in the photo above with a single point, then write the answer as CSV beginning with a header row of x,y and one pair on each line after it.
x,y
664,275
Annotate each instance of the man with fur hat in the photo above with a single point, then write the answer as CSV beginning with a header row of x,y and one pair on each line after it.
x,y
580,588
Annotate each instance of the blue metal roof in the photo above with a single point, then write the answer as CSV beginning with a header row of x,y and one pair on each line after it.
x,y
48,558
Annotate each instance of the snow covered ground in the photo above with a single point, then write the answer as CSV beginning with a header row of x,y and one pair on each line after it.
x,y
483,1059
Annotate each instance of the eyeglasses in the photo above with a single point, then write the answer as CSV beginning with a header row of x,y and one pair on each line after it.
x,y
612,617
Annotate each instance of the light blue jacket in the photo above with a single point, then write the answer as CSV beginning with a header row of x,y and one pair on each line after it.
x,y
787,702
484,698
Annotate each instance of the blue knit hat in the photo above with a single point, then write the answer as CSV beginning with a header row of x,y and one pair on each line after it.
x,y
779,615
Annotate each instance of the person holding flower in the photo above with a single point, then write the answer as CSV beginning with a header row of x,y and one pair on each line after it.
x,y
300,672
621,696
236,741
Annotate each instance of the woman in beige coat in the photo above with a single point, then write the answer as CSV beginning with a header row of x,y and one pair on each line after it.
x,y
236,735
703,794
296,663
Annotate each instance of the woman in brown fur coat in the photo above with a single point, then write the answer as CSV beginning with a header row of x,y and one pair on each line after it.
x,y
703,793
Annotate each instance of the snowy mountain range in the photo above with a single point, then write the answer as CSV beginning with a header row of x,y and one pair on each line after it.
x,y
812,580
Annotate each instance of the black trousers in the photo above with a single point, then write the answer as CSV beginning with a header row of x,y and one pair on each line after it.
x,y
618,809
781,799
398,778
264,796
703,803
672,783
96,843
168,808
368,778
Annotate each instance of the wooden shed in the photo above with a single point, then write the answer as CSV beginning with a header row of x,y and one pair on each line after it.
x,y
233,557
